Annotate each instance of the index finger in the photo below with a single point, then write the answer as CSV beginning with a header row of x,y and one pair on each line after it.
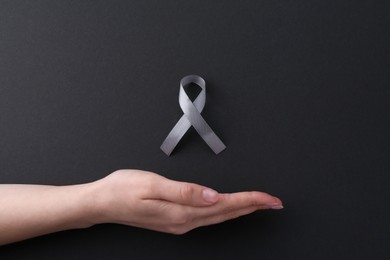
x,y
248,198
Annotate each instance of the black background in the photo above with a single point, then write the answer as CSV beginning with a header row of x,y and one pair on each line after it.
x,y
297,90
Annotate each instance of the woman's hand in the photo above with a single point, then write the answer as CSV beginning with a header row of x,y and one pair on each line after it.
x,y
130,197
147,200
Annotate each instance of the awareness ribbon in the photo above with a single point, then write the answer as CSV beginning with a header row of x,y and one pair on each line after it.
x,y
192,117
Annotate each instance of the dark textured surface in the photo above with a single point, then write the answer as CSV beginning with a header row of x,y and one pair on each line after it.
x,y
297,90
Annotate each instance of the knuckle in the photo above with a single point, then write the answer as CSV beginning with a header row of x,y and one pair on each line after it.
x,y
186,192
175,230
254,198
180,218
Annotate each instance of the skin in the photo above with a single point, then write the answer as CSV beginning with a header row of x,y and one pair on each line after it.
x,y
130,197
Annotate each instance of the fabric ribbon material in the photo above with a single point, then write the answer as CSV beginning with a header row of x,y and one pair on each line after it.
x,y
192,117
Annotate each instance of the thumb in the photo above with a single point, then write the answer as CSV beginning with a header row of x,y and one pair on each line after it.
x,y
186,193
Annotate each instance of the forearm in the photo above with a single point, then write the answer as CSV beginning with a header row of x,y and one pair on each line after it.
x,y
31,210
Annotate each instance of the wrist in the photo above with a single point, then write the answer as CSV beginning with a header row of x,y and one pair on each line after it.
x,y
99,202
92,206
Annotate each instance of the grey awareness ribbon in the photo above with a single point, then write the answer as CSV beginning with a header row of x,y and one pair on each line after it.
x,y
192,117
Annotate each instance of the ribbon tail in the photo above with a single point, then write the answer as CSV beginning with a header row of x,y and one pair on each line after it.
x,y
175,135
205,131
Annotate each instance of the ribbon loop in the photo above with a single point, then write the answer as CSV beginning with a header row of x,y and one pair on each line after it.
x,y
192,117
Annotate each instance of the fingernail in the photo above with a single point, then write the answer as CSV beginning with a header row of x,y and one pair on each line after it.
x,y
210,195
275,206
